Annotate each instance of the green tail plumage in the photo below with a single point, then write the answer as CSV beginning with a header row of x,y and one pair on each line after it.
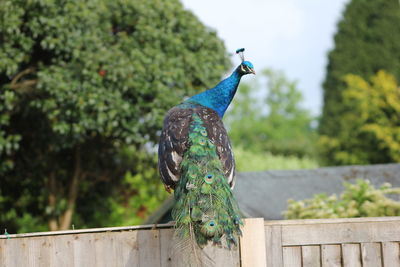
x,y
205,208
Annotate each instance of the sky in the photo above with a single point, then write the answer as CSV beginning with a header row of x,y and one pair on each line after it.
x,y
293,36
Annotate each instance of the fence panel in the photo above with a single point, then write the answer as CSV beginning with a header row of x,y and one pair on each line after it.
x,y
308,243
147,246
356,242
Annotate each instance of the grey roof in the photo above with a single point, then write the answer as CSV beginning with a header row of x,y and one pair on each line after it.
x,y
265,194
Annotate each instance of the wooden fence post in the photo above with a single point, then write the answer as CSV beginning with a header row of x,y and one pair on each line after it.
x,y
252,243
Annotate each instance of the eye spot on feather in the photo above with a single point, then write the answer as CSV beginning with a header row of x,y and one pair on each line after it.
x,y
202,141
209,178
211,229
203,132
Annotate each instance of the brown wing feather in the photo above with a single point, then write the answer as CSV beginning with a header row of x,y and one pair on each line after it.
x,y
218,135
174,142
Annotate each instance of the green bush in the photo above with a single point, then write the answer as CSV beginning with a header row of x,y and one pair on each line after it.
x,y
358,200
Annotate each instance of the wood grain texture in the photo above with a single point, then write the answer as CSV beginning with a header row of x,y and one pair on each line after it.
x,y
127,248
104,248
311,256
351,255
331,256
84,250
149,247
168,258
252,244
273,245
260,245
291,256
16,253
391,254
2,252
222,257
336,220
64,251
371,255
41,250
337,233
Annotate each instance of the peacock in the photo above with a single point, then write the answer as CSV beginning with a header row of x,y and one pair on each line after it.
x,y
195,159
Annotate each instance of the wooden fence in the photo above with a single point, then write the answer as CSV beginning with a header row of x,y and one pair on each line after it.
x,y
368,242
329,242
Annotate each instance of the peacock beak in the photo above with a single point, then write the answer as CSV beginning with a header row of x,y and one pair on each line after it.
x,y
253,71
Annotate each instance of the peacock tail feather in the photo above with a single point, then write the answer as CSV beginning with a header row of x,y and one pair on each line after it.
x,y
205,208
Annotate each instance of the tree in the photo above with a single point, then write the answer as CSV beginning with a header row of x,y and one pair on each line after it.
x,y
274,122
366,42
370,124
82,82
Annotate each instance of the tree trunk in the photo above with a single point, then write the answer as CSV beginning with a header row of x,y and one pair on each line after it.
x,y
53,223
66,218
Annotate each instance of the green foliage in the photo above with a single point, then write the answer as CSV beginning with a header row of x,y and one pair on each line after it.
x,y
370,123
130,202
139,196
79,82
261,161
25,222
274,122
366,42
358,200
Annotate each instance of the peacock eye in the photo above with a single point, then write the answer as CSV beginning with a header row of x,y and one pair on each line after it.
x,y
209,178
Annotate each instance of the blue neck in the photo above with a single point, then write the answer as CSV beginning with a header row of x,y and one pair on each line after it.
x,y
219,97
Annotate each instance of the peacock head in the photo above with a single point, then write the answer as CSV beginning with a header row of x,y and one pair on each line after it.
x,y
246,67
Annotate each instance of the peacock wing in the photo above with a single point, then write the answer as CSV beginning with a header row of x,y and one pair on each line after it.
x,y
218,135
173,143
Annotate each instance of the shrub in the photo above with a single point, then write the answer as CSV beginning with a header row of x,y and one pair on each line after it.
x,y
358,200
